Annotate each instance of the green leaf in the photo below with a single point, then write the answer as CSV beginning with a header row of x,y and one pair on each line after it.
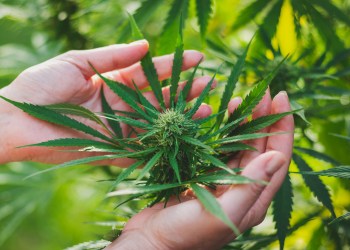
x,y
148,66
200,98
77,162
340,218
234,147
204,10
54,117
136,33
341,136
143,189
301,112
72,109
146,104
174,165
317,155
189,82
243,137
255,95
216,162
213,206
72,142
127,94
150,164
316,185
197,143
223,179
127,120
249,13
177,65
339,171
126,172
231,84
106,108
282,210
260,123
169,34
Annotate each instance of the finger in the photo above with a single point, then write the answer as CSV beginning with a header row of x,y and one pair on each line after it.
x,y
233,104
106,58
282,142
163,65
203,111
262,168
198,86
262,109
258,211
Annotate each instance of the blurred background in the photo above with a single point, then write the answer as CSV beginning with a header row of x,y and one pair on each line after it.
x,y
60,209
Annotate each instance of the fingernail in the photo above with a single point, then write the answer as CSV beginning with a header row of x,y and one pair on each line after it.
x,y
283,93
274,164
143,41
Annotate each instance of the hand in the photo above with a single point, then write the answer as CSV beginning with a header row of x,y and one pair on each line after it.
x,y
186,224
68,78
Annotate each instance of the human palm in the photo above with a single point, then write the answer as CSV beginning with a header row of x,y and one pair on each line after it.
x,y
68,78
186,225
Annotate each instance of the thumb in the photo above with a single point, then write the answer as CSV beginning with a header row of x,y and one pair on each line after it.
x,y
106,58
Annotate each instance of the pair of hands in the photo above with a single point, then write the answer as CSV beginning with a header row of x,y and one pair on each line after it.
x,y
182,225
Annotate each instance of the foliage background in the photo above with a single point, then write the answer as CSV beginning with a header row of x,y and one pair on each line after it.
x,y
63,208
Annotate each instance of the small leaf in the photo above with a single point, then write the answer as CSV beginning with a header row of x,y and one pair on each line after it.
x,y
234,147
72,142
216,162
148,66
340,218
177,65
125,93
54,117
213,206
282,210
260,123
339,171
223,179
203,9
150,164
317,155
243,137
143,189
200,98
106,108
255,95
175,166
71,109
126,172
316,185
77,162
231,84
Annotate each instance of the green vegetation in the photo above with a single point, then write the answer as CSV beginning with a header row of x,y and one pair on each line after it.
x,y
303,44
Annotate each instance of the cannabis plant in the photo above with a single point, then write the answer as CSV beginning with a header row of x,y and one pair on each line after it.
x,y
176,151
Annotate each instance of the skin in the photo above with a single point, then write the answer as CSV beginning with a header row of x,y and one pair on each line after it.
x,y
181,225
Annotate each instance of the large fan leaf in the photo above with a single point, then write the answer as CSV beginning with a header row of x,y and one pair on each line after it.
x,y
282,210
316,185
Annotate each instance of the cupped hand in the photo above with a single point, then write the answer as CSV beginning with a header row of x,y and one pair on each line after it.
x,y
68,78
186,224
